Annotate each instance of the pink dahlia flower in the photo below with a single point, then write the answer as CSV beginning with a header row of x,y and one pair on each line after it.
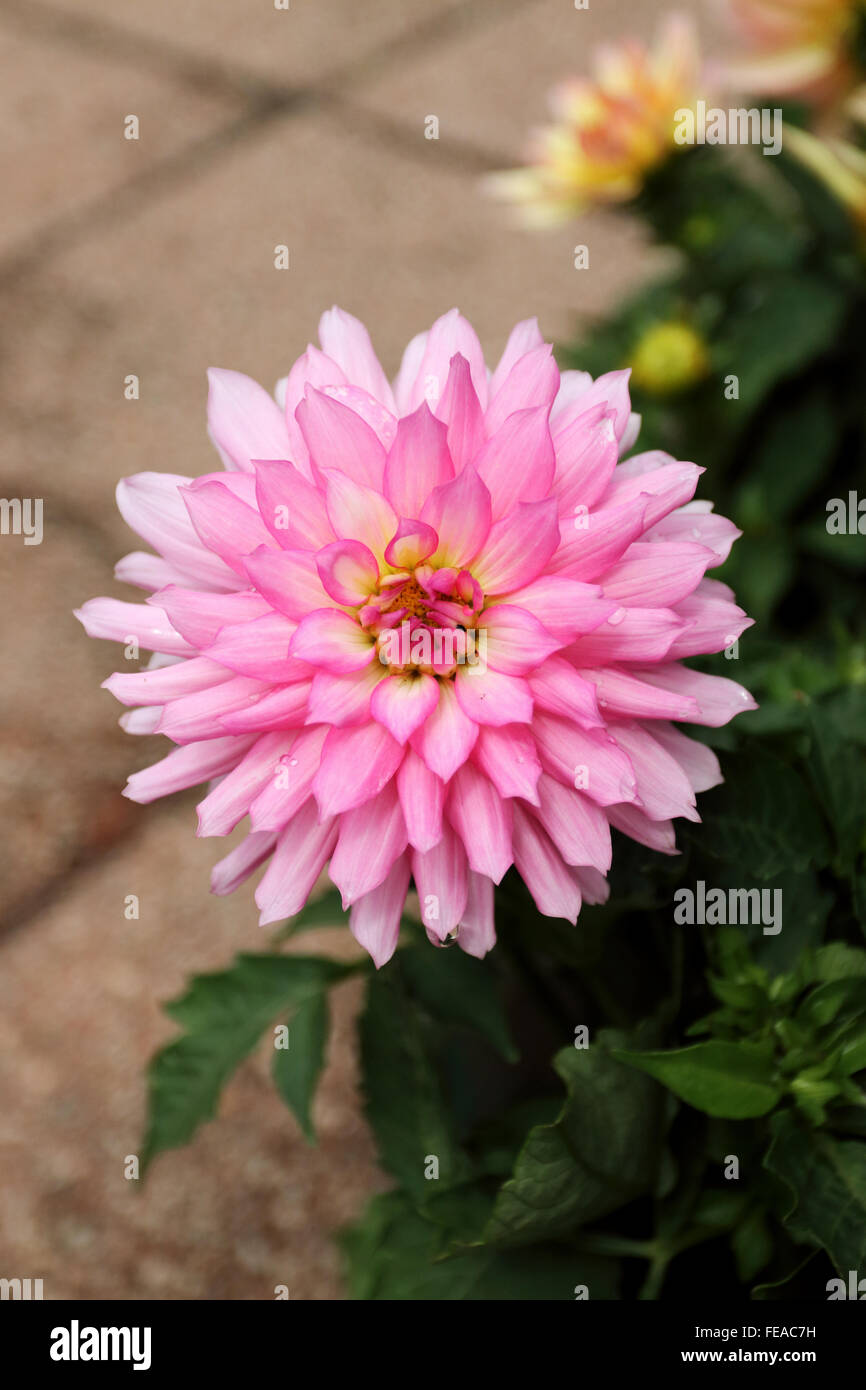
x,y
424,631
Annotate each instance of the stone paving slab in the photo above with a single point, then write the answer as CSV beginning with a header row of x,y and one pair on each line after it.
x,y
248,1204
62,112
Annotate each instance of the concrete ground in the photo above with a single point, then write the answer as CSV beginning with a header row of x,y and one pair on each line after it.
x,y
155,257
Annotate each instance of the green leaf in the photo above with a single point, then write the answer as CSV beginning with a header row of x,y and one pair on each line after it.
x,y
402,1088
752,1244
826,1181
224,1015
456,988
296,1069
839,773
731,1081
601,1152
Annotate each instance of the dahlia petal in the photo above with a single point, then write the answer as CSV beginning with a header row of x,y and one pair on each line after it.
x,y
359,513
290,782
665,483
259,648
587,759
663,787
657,576
629,438
594,887
611,391
655,834
422,796
141,721
186,767
507,756
348,571
381,421
403,702
418,461
586,454
146,571
630,634
717,699
155,687
355,765
292,508
552,885
699,762
331,639
476,934
117,621
413,543
558,687
460,514
710,625
283,708
697,522
230,800
229,873
198,616
450,334
518,547
596,540
345,339
489,697
447,738
375,918
621,694
300,855
333,431
578,828
567,608
372,838
345,699
516,642
533,381
572,385
152,504
243,420
517,462
441,879
461,410
314,368
523,338
410,366
199,716
225,525
482,819
288,580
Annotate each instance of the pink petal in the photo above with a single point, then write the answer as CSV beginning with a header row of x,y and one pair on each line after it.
x,y
656,576
586,454
477,932
356,764
301,852
372,411
348,572
663,787
461,410
315,368
666,482
290,781
200,715
227,526
523,338
441,880
446,739
146,571
280,709
556,686
231,798
655,834
621,694
460,514
489,697
155,687
596,540
186,767
508,757
333,640
243,421
403,702
375,918
710,624
699,762
610,391
152,504
199,616
586,759
345,339
410,366
630,634
418,461
552,885
696,522
116,621
518,547
482,819
359,513
412,544
292,508
578,828
259,648
533,381
342,700
517,462
338,438
372,838
422,796
229,873
450,334
718,699
515,642
566,607
288,579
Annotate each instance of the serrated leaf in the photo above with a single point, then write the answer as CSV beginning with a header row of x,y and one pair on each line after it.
x,y
730,1081
296,1069
826,1180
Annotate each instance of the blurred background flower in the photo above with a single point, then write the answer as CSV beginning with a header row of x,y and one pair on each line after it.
x,y
804,48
